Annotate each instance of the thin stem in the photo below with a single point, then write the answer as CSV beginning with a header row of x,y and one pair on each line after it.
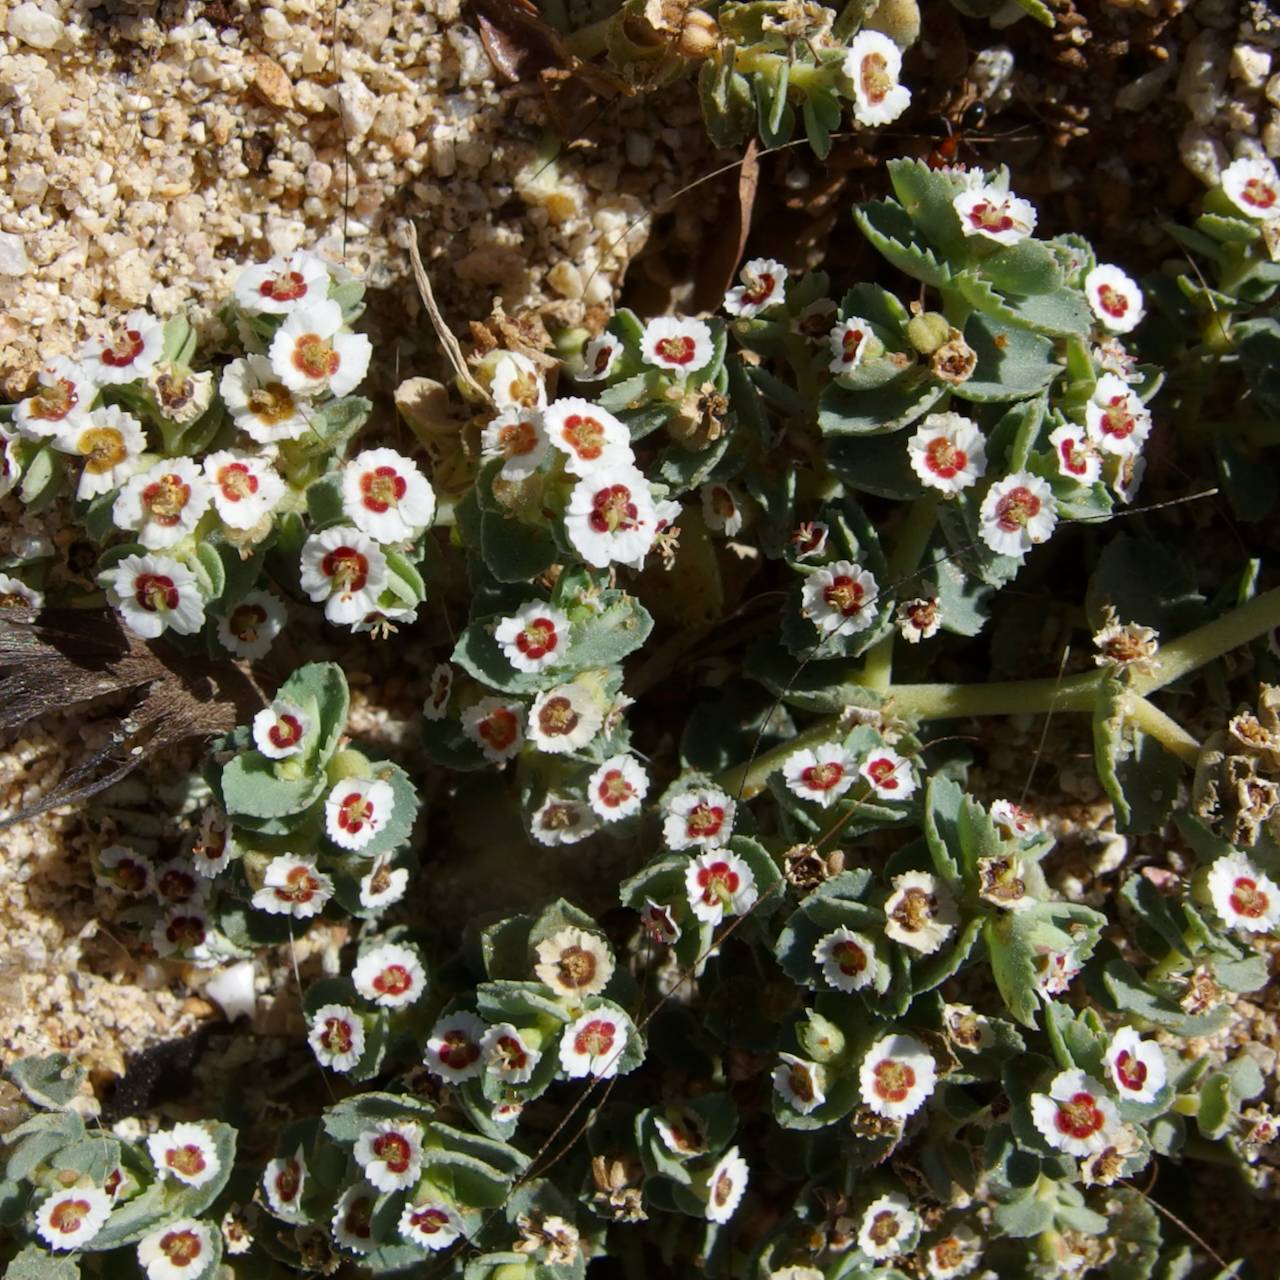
x,y
1164,729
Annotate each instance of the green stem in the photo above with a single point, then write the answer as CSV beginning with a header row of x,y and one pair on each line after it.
x,y
589,41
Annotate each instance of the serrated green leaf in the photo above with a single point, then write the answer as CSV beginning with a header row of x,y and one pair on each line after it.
x,y
927,194
1012,967
889,229
251,788
884,409
1025,268
50,1082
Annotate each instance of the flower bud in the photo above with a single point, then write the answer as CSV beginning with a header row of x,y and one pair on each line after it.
x,y
699,35
928,331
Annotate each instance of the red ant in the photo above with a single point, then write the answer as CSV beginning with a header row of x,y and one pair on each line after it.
x,y
972,118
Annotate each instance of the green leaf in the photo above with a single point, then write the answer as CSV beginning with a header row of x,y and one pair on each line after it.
x,y
1025,1215
42,480
1121,981
251,788
727,104
514,551
1139,775
345,1121
324,685
1028,267
889,228
404,810
927,195
38,1139
884,409
33,1263
1013,363
332,425
1148,583
1012,967
324,501
943,804
50,1082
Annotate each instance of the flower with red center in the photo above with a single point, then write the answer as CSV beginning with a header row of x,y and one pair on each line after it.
x,y
889,1227
385,495
453,1048
701,818
283,1181
600,357
1055,971
125,350
259,402
848,343
390,1154
896,1077
872,64
180,1250
154,594
282,284
1115,300
564,719
280,730
574,964
763,286
920,913
534,638
721,509
1242,896
1137,1067
390,975
250,626
312,354
110,441
246,488
1116,418
60,401
611,518
683,1133
947,452
186,1152
1252,185
163,504
1076,454
507,1055
496,726
994,214
292,886
382,884
593,1044
589,438
1075,1116
725,1186
352,1222
617,788
822,775
336,1036
659,923
185,933
356,809
955,1254
799,1083
1018,513
70,1219
841,598
430,1225
809,540
176,881
1012,821
918,619
346,569
719,884
514,382
848,960
125,870
440,686
560,819
675,345
888,773
518,438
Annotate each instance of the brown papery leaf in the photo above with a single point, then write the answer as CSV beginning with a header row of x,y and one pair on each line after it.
x,y
720,266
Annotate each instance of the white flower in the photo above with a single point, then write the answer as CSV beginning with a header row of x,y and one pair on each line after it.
x,y
312,353
1076,454
356,809
659,923
918,619
721,509
534,637
382,885
561,820
848,959
163,504
124,870
1114,299
701,818
800,1083
1252,185
564,718
389,975
679,346
590,438
1012,821
1017,513
955,1255
920,913
496,726
762,287
386,496
888,773
506,1055
245,487
600,357
390,1154
611,517
994,214
516,384
574,963
896,1076
1055,971
70,1219
180,395
822,775
873,64
592,1045
260,403
454,1051
61,400
15,594
185,933
280,729
1124,475
352,1221
283,1181
1136,1066
176,881
439,687
726,1185
213,848
809,540
180,1249
848,343
1075,1116
840,598
282,284
615,790
947,452
1242,896
719,883
430,1224
346,569
888,1227
251,626
185,1152
155,593
110,441
1116,418
517,437
683,1133
337,1036
124,351
292,886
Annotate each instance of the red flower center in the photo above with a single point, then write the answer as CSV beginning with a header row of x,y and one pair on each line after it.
x,y
538,638
1247,899
987,216
458,1050
272,403
428,1221
1016,508
381,489
299,886
187,1160
125,347
54,402
801,1082
1259,193
894,1080
394,1150
499,728
679,350
704,820
718,882
1113,302
1117,420
612,510
512,1052
245,620
338,1036
176,886
603,356
1079,1116
130,875
346,568
288,1181
875,78
884,773
822,777
596,1038
288,286
155,591
314,356
944,459
394,980
557,717
182,1248
850,958
1131,1071
517,438
286,732
185,932
585,436
67,1216
354,811
358,1218
614,789
723,1190
1075,458
844,595
851,345
759,289
236,482
165,499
